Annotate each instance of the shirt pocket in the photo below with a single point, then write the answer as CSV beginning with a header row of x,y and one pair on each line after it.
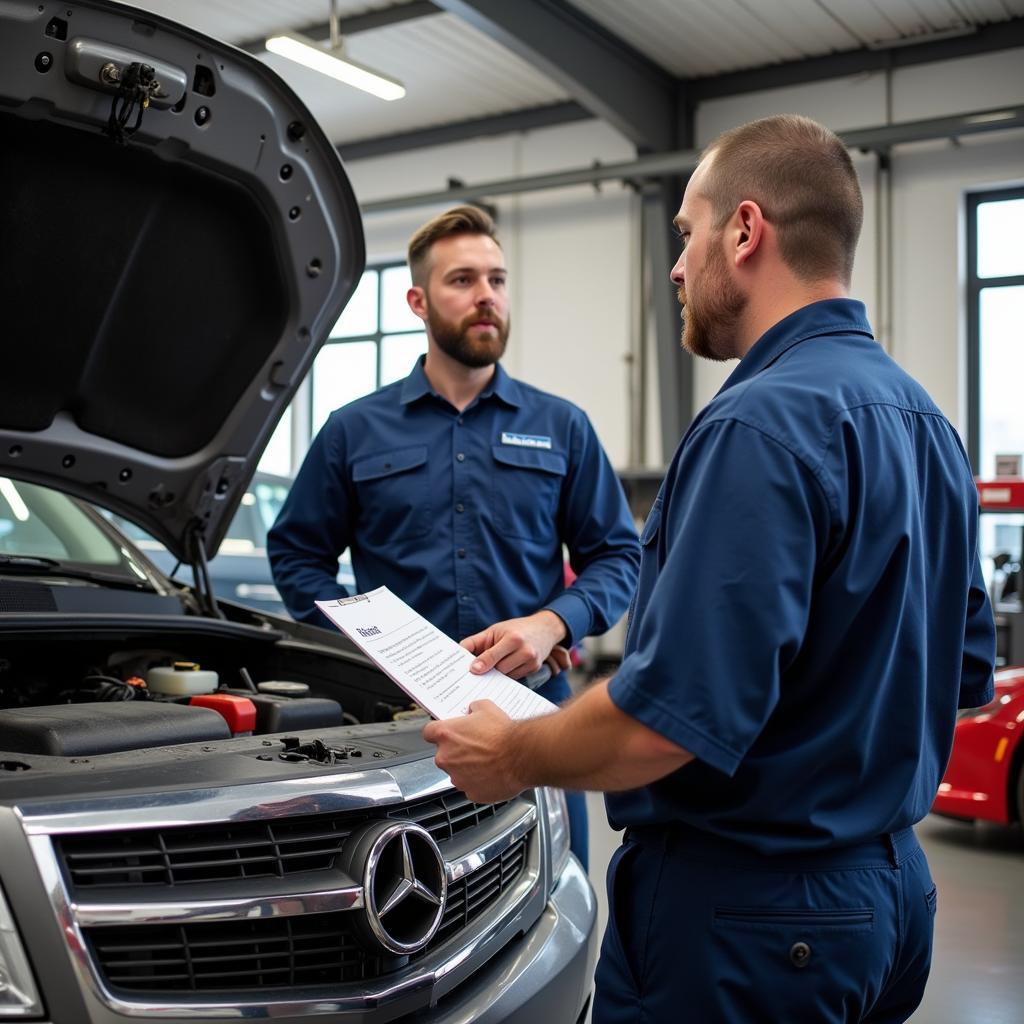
x,y
393,492
527,484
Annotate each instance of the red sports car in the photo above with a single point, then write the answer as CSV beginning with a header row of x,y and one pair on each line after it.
x,y
985,776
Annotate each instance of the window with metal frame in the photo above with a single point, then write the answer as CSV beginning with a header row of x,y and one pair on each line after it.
x,y
376,342
995,367
995,326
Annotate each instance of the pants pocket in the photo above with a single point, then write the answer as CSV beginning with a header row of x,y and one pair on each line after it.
x,y
623,935
782,963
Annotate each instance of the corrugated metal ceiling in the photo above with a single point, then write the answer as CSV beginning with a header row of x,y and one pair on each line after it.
x,y
235,20
693,38
453,72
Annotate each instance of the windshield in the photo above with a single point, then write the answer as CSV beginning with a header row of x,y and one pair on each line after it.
x,y
37,522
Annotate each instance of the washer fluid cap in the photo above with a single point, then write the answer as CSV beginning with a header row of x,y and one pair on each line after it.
x,y
283,688
181,682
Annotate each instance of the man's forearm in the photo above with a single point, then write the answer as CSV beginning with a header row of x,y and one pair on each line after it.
x,y
593,745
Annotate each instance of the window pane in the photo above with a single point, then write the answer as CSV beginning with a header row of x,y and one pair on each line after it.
x,y
1000,226
1002,374
269,501
341,373
277,456
37,521
395,314
360,315
398,354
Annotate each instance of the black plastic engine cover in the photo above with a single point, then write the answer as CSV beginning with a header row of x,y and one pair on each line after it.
x,y
78,730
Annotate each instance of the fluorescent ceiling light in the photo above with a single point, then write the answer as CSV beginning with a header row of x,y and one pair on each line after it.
x,y
307,53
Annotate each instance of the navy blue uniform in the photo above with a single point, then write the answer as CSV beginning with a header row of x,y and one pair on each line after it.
x,y
462,515
810,614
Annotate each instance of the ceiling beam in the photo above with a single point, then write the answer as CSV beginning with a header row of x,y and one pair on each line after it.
x,y
598,70
320,31
462,131
682,162
1003,35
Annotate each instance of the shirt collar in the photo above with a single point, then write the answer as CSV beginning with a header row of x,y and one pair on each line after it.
x,y
829,316
501,385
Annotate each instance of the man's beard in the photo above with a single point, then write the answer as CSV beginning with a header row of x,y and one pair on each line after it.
x,y
472,348
711,314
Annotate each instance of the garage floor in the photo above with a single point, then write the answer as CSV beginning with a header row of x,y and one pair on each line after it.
x,y
978,968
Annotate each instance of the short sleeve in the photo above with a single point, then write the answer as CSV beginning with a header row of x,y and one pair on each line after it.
x,y
741,524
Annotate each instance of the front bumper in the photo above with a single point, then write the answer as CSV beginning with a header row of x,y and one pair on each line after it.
x,y
544,976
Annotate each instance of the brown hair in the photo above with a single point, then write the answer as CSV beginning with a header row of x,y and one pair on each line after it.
x,y
459,220
801,175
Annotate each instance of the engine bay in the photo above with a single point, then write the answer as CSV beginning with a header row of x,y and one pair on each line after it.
x,y
110,690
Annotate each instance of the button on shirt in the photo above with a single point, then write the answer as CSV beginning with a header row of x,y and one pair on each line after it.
x,y
811,609
463,515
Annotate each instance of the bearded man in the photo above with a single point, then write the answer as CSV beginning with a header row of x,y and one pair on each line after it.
x,y
458,486
810,615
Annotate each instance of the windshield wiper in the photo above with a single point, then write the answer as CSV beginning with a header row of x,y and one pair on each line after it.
x,y
37,565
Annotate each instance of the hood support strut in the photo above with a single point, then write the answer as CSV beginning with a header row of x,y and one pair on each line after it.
x,y
201,573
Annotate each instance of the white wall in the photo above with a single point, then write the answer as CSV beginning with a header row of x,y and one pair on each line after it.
x,y
572,251
568,252
928,180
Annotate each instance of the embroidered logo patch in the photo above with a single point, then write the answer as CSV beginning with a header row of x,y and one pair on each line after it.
x,y
525,440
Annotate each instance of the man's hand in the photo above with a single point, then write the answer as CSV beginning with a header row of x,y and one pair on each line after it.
x,y
518,647
474,751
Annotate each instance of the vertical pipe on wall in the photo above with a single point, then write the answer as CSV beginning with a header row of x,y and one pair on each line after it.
x,y
637,353
883,249
302,421
883,233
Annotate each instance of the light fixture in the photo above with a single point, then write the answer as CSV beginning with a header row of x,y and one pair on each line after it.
x,y
333,62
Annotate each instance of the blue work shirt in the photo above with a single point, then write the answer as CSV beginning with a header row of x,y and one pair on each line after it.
x,y
462,515
811,609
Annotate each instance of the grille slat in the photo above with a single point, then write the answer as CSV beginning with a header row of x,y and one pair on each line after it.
x,y
214,853
276,953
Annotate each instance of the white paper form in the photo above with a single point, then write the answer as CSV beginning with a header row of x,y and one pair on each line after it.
x,y
431,667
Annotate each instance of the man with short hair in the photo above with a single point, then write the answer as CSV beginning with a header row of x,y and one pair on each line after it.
x,y
457,487
809,617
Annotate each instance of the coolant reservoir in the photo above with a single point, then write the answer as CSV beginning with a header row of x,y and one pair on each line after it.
x,y
182,679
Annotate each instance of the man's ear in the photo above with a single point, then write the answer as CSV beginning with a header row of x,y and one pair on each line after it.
x,y
417,299
748,230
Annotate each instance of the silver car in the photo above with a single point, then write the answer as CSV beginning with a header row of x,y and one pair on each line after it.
x,y
208,812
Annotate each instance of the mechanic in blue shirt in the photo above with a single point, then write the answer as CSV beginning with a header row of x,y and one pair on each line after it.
x,y
457,487
810,615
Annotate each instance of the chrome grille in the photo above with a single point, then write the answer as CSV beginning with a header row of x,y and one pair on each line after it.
x,y
259,849
307,950
469,899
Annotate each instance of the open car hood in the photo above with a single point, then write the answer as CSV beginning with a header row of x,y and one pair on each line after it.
x,y
163,294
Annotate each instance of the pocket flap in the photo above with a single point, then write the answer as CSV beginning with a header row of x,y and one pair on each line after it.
x,y
531,458
372,467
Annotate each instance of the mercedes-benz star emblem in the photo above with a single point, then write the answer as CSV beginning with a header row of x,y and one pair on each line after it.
x,y
404,884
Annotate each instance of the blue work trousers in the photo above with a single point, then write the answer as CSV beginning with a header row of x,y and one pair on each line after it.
x,y
557,691
706,931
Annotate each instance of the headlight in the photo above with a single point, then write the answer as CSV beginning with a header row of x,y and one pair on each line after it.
x,y
18,994
558,831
